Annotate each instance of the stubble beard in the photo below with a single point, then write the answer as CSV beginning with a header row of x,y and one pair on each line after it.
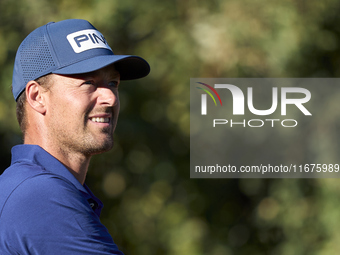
x,y
85,142
92,146
88,140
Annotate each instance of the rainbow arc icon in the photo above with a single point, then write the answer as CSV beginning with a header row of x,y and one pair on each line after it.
x,y
204,97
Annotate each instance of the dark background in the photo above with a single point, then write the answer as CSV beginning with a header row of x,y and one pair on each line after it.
x,y
151,204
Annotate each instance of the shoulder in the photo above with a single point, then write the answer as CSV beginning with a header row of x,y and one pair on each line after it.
x,y
41,191
47,213
25,181
26,175
36,196
40,201
28,190
18,181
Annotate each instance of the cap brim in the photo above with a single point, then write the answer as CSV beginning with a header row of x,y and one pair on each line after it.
x,y
129,67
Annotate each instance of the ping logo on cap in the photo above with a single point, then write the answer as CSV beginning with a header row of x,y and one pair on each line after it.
x,y
86,40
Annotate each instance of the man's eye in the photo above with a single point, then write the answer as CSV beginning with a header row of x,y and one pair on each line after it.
x,y
89,82
113,84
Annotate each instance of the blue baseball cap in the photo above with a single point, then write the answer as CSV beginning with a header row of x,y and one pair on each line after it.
x,y
71,46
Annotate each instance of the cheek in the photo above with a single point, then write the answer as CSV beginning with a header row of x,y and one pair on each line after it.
x,y
68,110
116,108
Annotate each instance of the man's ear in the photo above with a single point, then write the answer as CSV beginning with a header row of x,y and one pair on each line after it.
x,y
35,96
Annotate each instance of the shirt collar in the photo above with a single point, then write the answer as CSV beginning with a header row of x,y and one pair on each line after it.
x,y
37,155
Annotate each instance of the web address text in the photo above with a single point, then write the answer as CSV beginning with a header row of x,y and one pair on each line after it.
x,y
268,168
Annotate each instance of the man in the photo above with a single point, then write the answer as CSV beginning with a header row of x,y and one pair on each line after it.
x,y
65,82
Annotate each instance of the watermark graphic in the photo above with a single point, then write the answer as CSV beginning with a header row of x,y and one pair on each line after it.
x,y
259,128
239,101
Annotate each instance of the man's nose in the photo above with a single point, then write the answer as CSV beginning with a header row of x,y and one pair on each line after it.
x,y
107,96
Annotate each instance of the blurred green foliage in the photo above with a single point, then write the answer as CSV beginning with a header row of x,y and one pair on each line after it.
x,y
151,204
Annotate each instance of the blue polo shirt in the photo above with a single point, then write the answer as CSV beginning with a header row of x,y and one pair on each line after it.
x,y
45,210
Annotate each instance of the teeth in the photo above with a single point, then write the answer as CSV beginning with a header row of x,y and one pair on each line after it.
x,y
101,120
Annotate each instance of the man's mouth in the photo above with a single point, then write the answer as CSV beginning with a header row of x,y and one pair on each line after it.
x,y
100,120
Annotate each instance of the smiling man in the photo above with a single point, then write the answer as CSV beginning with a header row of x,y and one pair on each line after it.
x,y
65,82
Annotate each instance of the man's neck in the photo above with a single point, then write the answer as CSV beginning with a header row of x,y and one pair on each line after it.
x,y
77,166
76,163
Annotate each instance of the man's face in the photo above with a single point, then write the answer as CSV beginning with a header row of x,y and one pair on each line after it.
x,y
82,111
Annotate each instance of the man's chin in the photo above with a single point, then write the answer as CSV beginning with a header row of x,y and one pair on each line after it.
x,y
99,148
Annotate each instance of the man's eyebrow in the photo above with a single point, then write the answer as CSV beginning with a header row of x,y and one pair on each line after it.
x,y
114,74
